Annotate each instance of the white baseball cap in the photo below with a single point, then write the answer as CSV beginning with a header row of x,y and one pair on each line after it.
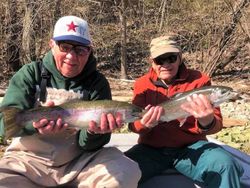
x,y
72,28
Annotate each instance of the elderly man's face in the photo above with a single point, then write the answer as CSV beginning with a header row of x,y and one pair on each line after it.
x,y
166,66
70,57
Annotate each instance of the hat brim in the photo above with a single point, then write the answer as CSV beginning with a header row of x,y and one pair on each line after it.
x,y
73,38
164,50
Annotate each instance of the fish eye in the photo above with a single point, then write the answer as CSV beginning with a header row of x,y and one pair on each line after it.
x,y
224,91
135,113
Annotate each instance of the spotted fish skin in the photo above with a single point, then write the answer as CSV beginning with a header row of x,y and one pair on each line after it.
x,y
76,113
216,95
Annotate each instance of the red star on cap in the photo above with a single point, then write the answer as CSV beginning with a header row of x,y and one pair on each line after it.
x,y
72,26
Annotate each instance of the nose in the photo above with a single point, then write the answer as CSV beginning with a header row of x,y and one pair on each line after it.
x,y
166,65
71,54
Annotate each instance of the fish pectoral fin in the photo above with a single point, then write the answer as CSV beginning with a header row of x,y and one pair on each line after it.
x,y
182,121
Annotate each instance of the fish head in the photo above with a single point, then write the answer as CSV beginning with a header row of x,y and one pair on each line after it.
x,y
134,114
222,94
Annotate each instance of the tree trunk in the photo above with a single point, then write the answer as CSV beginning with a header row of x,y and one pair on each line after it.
x,y
163,10
12,33
57,12
28,38
123,41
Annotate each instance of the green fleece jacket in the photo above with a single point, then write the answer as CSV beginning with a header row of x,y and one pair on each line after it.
x,y
22,89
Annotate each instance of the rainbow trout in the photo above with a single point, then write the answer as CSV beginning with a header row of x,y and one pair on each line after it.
x,y
76,113
216,95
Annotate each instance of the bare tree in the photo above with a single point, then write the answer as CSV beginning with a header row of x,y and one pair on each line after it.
x,y
57,12
163,10
12,32
122,29
123,40
28,37
215,53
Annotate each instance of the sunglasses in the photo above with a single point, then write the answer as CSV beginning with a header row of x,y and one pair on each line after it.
x,y
78,49
165,59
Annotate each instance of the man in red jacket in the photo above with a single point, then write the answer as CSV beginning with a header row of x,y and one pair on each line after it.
x,y
164,145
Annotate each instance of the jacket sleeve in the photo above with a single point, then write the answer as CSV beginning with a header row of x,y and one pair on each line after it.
x,y
21,94
192,124
216,125
87,141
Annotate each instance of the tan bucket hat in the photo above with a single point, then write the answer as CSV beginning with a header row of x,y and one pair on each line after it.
x,y
162,45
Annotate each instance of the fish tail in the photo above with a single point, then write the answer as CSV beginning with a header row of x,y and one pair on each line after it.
x,y
10,124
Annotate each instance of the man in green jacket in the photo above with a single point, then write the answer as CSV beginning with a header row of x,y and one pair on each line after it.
x,y
47,153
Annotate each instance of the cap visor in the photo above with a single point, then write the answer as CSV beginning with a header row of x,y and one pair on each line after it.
x,y
73,38
163,50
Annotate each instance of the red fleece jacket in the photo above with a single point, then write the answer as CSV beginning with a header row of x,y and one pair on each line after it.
x,y
147,90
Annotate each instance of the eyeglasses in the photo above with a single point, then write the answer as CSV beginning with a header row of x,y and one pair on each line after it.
x,y
67,48
161,60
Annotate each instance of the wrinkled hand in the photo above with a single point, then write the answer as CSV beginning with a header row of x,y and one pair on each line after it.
x,y
151,118
108,123
200,107
44,126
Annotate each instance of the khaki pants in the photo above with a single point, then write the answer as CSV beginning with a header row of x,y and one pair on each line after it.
x,y
105,168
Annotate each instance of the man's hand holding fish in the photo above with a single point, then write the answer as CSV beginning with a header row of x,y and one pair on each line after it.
x,y
200,107
108,123
152,116
46,126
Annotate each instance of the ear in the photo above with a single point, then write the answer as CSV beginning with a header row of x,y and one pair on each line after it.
x,y
52,44
91,50
180,58
151,63
150,60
